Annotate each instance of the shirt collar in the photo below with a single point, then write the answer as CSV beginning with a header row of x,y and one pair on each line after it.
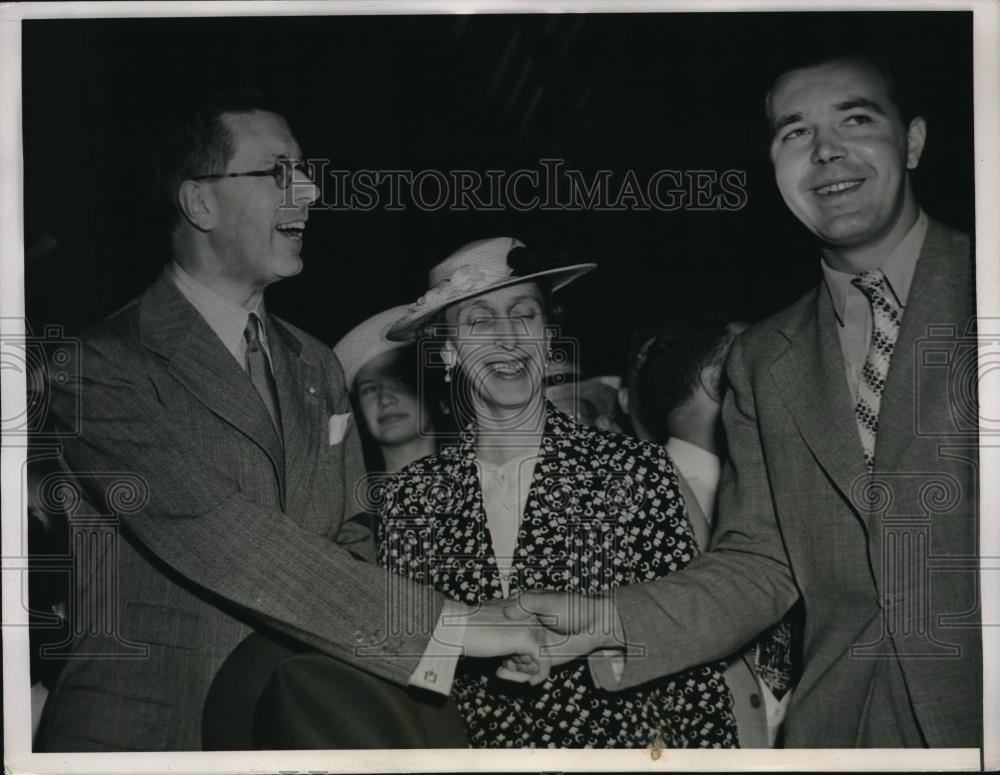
x,y
226,319
898,269
694,462
507,466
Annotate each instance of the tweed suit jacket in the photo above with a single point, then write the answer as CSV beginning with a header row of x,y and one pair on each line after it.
x,y
884,563
229,529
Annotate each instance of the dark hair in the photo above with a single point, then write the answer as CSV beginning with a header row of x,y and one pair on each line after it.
x,y
897,84
408,369
200,143
641,340
673,364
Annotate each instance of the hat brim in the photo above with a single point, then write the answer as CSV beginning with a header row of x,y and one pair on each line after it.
x,y
408,327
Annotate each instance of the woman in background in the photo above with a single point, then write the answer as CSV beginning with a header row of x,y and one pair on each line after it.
x,y
384,379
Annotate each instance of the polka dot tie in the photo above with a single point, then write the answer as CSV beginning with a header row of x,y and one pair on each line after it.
x,y
885,330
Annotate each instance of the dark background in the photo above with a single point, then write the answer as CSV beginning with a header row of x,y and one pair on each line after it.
x,y
626,91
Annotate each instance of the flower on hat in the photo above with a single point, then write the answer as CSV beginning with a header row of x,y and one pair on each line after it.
x,y
465,279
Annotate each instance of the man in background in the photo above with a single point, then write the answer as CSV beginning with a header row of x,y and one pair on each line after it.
x,y
680,385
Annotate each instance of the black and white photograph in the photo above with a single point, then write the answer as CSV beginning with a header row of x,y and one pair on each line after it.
x,y
387,382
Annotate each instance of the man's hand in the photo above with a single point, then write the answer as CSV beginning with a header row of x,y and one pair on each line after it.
x,y
575,626
489,632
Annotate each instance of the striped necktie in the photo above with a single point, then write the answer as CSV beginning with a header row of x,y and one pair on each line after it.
x,y
885,330
259,370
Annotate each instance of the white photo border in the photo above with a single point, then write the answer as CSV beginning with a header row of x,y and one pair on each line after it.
x,y
16,690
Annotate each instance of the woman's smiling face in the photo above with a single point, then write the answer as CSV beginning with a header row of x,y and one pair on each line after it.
x,y
499,341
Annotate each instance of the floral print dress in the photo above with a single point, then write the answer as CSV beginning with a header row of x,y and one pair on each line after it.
x,y
603,510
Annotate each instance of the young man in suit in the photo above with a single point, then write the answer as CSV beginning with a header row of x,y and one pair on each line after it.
x,y
222,436
852,474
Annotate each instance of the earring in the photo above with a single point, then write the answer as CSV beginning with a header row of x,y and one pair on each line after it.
x,y
548,352
447,373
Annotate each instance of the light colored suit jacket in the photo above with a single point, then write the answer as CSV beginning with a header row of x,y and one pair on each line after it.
x,y
744,684
885,564
227,528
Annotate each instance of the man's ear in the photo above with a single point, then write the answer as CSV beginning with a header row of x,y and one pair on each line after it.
x,y
623,400
198,204
711,380
916,136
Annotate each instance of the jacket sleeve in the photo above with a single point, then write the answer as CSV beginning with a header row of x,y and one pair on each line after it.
x,y
728,595
196,521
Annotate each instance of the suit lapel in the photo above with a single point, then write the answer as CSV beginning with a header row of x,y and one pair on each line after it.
x,y
940,294
300,419
198,360
810,376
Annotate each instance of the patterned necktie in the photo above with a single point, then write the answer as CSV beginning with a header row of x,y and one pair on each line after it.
x,y
885,330
259,370
772,656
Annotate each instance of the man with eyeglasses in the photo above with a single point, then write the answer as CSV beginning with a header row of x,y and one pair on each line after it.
x,y
234,429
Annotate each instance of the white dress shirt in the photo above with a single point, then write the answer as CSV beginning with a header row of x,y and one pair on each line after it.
x,y
226,319
701,469
505,492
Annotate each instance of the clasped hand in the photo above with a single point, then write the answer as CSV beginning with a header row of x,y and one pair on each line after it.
x,y
537,631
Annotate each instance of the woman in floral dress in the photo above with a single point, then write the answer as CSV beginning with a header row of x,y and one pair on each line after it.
x,y
529,500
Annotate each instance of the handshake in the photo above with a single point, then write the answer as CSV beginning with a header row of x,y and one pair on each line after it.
x,y
537,631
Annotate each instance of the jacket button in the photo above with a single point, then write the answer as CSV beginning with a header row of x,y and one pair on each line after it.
x,y
755,700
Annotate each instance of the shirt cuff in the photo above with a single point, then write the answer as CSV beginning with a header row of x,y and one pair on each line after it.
x,y
606,668
436,669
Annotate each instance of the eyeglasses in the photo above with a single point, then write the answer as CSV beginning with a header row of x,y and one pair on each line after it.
x,y
283,173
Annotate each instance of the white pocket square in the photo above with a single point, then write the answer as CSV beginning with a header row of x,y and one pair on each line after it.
x,y
337,427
